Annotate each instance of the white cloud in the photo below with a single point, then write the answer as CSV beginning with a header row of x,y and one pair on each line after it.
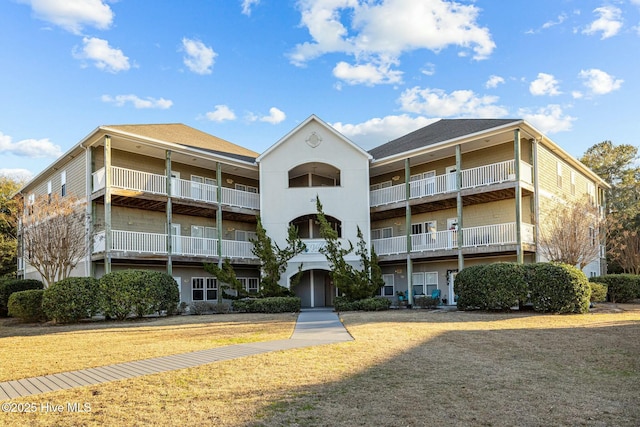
x,y
609,22
275,116
549,119
32,148
561,18
220,114
377,33
20,175
377,131
576,94
73,15
599,82
494,81
104,56
199,57
368,74
545,84
148,102
460,103
247,5
429,69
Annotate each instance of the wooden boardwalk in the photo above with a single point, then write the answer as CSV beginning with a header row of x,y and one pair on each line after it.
x,y
313,327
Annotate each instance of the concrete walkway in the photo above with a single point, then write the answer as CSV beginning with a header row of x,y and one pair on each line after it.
x,y
313,327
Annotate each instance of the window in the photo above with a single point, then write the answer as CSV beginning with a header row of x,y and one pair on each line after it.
x,y
31,199
592,236
381,233
49,190
416,228
380,185
249,283
314,174
388,289
63,183
245,236
247,188
201,284
591,191
196,187
424,283
573,183
559,174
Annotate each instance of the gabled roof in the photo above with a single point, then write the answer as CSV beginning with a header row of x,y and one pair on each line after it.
x,y
309,119
179,133
442,130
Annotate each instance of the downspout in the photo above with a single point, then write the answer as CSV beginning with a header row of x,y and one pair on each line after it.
x,y
518,196
407,185
169,215
107,204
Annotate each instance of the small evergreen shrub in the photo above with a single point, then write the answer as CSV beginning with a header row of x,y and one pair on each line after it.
x,y
141,292
557,288
598,292
7,287
620,287
201,307
342,303
267,305
498,286
72,299
427,302
469,289
27,305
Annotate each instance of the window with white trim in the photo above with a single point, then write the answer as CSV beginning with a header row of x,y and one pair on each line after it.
x,y
591,191
380,185
573,183
49,190
250,284
204,289
424,283
63,183
381,233
245,236
559,174
247,188
388,290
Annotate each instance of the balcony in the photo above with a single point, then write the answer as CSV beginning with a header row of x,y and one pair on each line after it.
x,y
486,235
150,183
135,242
471,178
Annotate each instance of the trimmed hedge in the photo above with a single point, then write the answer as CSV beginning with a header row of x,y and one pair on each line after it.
x,y
72,299
7,287
141,292
598,292
621,287
27,305
558,288
427,302
341,303
267,305
498,286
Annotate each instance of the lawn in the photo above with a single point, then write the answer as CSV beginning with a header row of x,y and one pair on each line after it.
x,y
409,368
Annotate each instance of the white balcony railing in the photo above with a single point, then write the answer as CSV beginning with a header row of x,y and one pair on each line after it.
x,y
156,243
145,182
486,235
313,246
471,178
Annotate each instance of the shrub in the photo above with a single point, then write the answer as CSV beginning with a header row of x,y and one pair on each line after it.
x,y
621,287
558,288
72,299
598,292
7,287
139,291
342,303
200,307
427,302
498,286
267,305
27,305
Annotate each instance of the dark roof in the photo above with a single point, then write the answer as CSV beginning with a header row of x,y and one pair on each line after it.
x,y
442,130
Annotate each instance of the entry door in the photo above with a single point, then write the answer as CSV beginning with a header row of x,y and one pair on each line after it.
x,y
175,184
452,226
452,183
175,237
452,299
179,282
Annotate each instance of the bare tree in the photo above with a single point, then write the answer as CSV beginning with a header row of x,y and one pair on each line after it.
x,y
54,235
570,233
623,238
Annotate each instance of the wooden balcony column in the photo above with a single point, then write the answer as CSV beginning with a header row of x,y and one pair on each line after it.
x,y
459,205
107,204
518,195
407,185
219,222
169,215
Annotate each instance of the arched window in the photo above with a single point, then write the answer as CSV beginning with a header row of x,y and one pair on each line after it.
x,y
314,174
309,227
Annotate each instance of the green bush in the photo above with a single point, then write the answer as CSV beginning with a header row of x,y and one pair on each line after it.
x,y
267,305
138,291
341,303
27,305
72,299
598,292
557,288
7,287
427,302
621,287
498,286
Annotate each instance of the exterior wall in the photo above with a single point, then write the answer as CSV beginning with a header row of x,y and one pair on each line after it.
x,y
348,202
76,178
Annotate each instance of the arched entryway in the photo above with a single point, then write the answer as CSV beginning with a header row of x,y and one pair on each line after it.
x,y
315,289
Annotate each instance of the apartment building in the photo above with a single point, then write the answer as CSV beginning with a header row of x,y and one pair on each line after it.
x,y
455,193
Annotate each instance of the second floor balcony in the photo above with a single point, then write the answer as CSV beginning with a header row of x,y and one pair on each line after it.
x,y
440,184
145,182
486,235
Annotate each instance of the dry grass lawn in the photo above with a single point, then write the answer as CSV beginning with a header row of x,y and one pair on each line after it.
x,y
408,368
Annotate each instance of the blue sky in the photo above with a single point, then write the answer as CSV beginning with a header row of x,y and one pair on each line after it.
x,y
249,71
